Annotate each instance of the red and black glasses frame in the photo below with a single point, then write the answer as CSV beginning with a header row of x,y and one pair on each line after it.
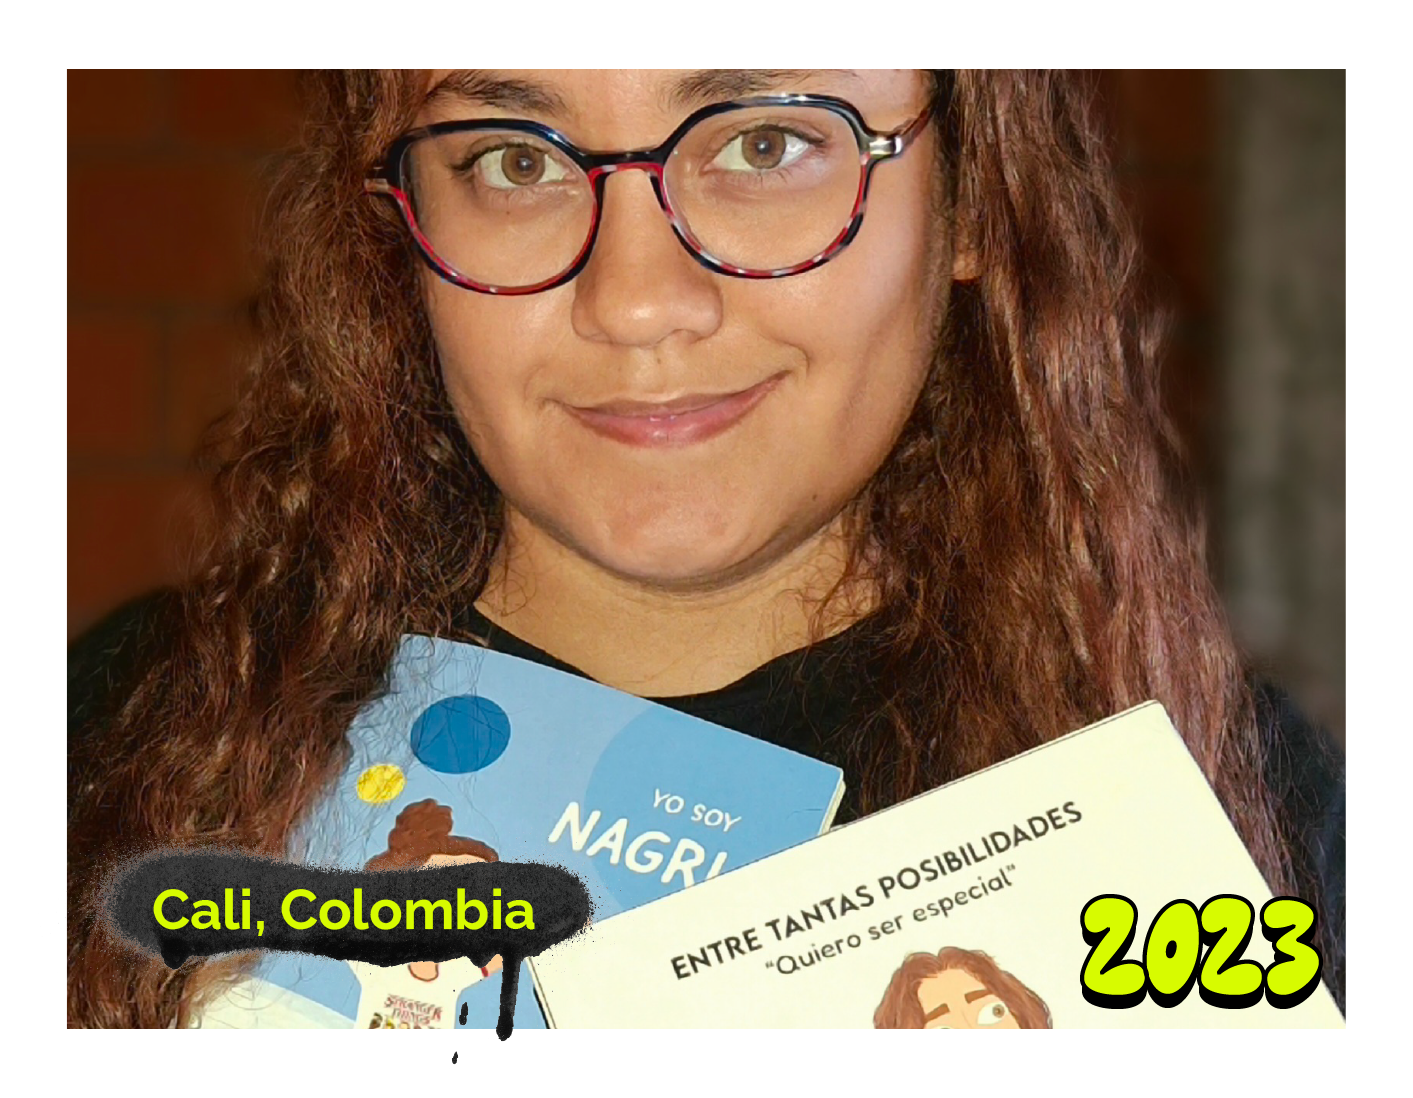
x,y
874,148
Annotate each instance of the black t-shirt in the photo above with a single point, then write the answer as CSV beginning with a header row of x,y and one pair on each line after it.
x,y
805,700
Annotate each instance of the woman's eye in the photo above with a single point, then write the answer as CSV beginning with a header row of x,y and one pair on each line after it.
x,y
992,1014
766,148
519,166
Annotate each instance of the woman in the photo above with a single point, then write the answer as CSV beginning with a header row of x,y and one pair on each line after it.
x,y
895,490
425,990
958,989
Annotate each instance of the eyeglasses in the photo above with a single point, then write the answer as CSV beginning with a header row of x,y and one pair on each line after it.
x,y
754,188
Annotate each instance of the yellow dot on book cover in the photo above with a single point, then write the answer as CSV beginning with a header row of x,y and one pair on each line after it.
x,y
381,783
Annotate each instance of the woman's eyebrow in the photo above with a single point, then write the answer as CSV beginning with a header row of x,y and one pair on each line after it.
x,y
710,85
482,88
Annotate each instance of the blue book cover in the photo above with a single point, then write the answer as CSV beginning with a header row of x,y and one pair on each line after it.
x,y
472,755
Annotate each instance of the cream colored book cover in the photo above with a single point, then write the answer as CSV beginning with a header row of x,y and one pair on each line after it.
x,y
1091,882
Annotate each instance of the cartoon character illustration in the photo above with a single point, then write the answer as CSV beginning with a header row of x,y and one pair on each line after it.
x,y
958,989
425,991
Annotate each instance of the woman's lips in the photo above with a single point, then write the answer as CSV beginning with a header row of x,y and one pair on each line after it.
x,y
679,422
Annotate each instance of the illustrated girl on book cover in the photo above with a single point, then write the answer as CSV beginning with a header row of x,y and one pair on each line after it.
x,y
420,995
958,989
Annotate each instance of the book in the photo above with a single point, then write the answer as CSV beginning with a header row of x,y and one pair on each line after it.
x,y
472,755
959,908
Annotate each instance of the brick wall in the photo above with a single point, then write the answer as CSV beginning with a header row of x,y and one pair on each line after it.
x,y
1166,145
1281,379
161,168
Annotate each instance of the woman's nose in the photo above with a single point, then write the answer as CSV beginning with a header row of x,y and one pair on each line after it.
x,y
640,285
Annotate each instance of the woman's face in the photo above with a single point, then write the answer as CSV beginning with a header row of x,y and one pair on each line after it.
x,y
671,425
451,859
955,999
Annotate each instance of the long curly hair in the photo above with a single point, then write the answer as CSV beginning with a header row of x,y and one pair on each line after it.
x,y
1037,559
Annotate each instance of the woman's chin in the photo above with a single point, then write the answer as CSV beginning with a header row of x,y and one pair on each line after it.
x,y
681,563
701,540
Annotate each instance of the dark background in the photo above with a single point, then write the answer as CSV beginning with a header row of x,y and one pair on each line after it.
x,y
1237,179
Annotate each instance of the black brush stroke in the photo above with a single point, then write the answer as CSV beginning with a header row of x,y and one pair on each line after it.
x,y
560,902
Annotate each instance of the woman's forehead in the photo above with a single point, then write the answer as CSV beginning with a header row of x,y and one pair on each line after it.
x,y
454,859
598,97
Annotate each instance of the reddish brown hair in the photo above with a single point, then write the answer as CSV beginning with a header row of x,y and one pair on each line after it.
x,y
901,1009
1036,564
421,830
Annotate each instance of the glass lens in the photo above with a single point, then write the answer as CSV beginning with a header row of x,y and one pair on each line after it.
x,y
500,207
766,188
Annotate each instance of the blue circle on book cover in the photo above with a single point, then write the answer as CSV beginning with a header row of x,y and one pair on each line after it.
x,y
460,735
